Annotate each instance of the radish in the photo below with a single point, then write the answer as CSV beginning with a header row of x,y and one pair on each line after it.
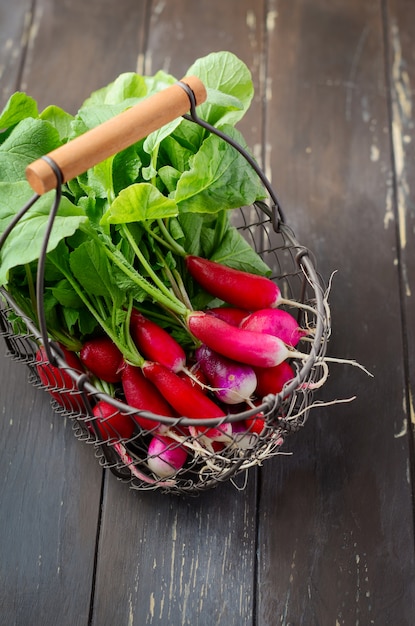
x,y
196,377
186,399
155,343
112,424
273,379
275,322
245,346
58,382
232,382
130,463
232,315
102,358
256,424
165,456
141,394
238,288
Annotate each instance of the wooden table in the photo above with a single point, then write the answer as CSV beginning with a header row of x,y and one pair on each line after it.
x,y
325,534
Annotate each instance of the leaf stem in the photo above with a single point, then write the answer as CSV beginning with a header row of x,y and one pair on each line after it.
x,y
159,283
174,246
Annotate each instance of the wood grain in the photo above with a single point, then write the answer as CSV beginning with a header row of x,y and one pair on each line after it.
x,y
347,478
14,34
50,495
322,534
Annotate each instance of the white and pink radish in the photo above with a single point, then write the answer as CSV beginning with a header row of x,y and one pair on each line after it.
x,y
231,382
165,456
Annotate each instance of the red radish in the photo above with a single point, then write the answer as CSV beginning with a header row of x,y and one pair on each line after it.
x,y
245,346
155,343
273,379
232,315
165,456
57,380
240,289
111,423
141,394
195,377
102,358
187,400
232,382
275,322
256,425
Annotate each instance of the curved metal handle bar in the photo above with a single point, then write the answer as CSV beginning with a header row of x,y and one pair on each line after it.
x,y
193,117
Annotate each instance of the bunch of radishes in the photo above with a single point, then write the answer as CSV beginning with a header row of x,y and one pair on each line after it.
x,y
240,353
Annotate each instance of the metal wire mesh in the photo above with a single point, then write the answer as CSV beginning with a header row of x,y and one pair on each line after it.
x,y
73,395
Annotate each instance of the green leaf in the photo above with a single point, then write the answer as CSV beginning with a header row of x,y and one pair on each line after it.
x,y
18,107
139,202
155,138
92,270
236,252
125,169
169,177
173,154
223,72
224,100
160,80
219,178
126,86
66,295
28,141
23,245
60,119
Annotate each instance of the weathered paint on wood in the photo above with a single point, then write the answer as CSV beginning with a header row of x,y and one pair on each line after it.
x,y
323,535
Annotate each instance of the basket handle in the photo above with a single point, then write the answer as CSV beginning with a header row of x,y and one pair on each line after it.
x,y
114,135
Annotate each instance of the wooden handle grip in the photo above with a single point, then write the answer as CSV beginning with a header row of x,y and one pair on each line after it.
x,y
118,133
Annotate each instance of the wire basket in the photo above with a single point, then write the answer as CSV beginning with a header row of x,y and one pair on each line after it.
x,y
74,396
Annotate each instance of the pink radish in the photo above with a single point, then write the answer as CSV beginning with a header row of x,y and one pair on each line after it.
x,y
155,343
275,322
273,379
102,358
245,346
186,399
232,315
240,289
141,394
112,424
165,456
232,382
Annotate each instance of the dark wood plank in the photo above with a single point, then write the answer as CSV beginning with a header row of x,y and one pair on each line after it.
x,y
184,560
14,32
49,508
77,47
336,526
400,31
